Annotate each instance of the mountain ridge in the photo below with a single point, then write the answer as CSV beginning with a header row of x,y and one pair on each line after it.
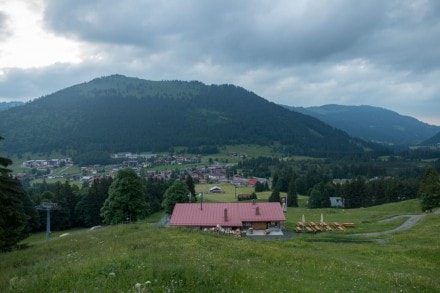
x,y
371,123
8,105
116,113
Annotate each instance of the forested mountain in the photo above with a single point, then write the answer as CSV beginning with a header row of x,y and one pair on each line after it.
x,y
118,113
7,105
373,123
435,140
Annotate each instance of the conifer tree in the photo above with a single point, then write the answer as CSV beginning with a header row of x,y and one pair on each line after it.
x,y
429,191
13,219
275,196
292,196
192,189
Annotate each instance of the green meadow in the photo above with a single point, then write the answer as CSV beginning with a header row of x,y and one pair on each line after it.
x,y
143,257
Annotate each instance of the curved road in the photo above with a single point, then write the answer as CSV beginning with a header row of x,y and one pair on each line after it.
x,y
412,220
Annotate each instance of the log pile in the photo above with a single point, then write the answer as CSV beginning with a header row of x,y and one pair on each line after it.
x,y
313,227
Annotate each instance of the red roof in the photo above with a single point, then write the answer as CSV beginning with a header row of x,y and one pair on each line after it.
x,y
213,214
252,181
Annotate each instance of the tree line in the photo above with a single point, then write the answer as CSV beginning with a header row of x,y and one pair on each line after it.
x,y
362,184
129,197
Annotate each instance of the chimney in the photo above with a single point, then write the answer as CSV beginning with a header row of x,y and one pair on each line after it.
x,y
201,201
257,211
226,214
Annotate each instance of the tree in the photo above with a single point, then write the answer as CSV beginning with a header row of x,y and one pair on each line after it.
x,y
176,193
126,199
429,191
292,196
320,195
88,207
354,193
259,187
285,173
61,216
13,219
155,190
191,187
275,196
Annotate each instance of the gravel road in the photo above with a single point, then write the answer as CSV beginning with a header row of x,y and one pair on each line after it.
x,y
412,220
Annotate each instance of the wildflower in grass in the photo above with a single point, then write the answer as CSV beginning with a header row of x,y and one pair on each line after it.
x,y
111,274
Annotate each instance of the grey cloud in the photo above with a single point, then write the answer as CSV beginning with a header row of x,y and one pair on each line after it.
x,y
28,84
4,29
250,31
260,33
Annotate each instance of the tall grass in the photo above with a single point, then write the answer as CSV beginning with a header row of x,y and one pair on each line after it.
x,y
116,258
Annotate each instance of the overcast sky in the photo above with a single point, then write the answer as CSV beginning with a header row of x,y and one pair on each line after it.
x,y
297,53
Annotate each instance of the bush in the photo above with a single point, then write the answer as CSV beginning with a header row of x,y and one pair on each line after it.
x,y
242,197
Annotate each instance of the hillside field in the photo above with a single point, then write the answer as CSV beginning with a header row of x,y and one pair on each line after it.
x,y
143,257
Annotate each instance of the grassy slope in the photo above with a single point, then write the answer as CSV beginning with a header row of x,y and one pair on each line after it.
x,y
193,261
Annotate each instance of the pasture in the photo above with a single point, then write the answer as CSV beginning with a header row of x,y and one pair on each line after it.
x,y
143,257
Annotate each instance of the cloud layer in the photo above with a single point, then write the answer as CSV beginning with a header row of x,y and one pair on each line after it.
x,y
299,53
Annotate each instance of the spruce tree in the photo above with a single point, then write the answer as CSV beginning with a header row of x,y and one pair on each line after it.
x,y
292,196
429,191
192,189
88,207
13,219
275,196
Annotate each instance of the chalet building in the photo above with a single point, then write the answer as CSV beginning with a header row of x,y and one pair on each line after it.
x,y
336,202
215,189
258,216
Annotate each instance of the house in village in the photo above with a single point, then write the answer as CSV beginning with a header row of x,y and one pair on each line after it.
x,y
254,216
215,189
336,202
252,182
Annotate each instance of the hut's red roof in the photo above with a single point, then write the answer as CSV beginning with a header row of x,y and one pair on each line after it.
x,y
213,214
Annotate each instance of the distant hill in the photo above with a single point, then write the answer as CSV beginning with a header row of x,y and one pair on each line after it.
x,y
435,140
118,113
7,105
373,123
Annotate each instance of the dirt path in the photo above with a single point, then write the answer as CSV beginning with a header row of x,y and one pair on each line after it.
x,y
411,222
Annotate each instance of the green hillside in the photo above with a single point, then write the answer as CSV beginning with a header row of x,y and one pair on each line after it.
x,y
115,259
118,113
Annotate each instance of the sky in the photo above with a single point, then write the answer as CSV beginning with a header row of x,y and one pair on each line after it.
x,y
382,53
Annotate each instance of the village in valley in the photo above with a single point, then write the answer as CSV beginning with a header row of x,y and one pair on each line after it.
x,y
251,218
160,166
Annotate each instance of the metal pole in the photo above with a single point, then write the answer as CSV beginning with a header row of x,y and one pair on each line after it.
x,y
47,223
47,206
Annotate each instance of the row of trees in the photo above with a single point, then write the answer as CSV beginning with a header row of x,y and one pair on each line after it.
x,y
370,187
363,193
